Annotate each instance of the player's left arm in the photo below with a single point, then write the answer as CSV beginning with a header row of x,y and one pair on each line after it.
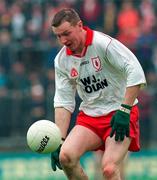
x,y
124,61
120,122
131,94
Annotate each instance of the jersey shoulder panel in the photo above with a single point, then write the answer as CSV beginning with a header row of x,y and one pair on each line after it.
x,y
101,40
60,57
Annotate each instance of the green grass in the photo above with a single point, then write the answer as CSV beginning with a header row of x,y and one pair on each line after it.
x,y
30,166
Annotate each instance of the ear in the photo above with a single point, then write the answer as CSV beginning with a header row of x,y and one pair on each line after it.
x,y
80,24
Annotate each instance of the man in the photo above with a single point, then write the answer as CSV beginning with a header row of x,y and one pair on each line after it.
x,y
107,77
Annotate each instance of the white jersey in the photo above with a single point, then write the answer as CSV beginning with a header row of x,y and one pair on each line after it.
x,y
100,76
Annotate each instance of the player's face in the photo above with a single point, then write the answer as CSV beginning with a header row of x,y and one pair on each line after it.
x,y
70,36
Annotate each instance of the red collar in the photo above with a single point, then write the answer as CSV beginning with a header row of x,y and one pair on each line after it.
x,y
88,42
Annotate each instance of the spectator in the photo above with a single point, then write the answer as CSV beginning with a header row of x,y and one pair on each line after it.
x,y
5,16
145,103
37,98
110,13
18,86
5,50
5,110
144,50
34,25
155,58
128,21
3,82
148,15
91,13
17,23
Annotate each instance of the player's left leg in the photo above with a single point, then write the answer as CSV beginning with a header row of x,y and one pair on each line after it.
x,y
115,152
97,166
113,157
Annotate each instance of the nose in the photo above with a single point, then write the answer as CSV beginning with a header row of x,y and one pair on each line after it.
x,y
63,40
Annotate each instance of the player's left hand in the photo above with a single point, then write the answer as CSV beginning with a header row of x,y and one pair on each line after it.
x,y
55,159
120,123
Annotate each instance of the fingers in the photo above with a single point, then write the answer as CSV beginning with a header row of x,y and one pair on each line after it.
x,y
117,137
53,165
112,121
112,132
127,133
53,161
120,134
58,165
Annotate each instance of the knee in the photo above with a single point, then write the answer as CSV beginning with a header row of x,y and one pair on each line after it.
x,y
110,170
66,159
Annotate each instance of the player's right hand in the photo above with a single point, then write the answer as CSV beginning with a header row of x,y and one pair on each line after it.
x,y
55,159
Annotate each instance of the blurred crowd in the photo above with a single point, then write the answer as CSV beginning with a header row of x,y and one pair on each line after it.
x,y
28,48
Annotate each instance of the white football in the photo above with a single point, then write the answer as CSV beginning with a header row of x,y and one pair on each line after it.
x,y
43,136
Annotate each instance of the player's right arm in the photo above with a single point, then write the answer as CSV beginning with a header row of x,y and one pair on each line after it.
x,y
64,104
64,100
62,119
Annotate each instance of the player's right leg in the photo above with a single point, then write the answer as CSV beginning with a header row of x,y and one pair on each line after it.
x,y
79,141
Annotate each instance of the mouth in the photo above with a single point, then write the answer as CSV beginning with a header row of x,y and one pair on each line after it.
x,y
68,45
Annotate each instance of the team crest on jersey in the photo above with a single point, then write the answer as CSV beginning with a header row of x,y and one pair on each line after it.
x,y
73,72
96,63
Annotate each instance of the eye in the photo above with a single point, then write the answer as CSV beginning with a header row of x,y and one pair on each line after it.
x,y
58,36
66,33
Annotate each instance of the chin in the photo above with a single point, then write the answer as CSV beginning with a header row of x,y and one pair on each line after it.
x,y
72,49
